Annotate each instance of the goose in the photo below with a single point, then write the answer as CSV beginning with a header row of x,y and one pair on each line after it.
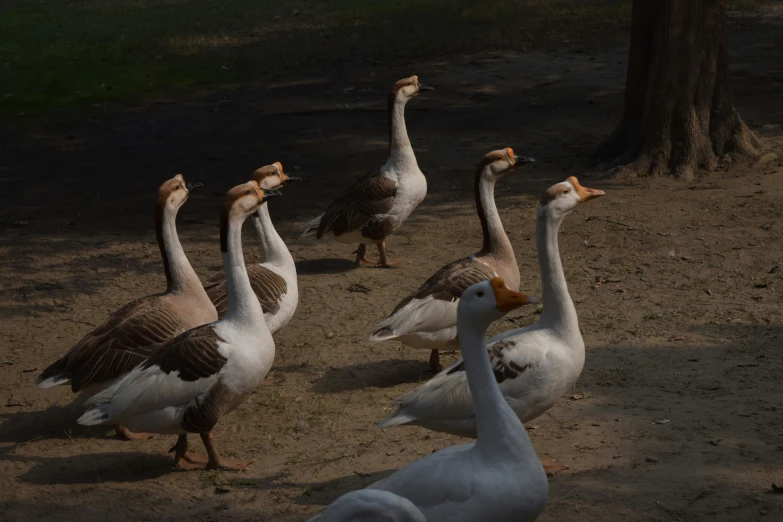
x,y
370,505
533,366
499,477
427,318
129,335
379,203
274,279
191,381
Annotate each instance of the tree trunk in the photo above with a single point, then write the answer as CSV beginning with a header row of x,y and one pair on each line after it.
x,y
679,113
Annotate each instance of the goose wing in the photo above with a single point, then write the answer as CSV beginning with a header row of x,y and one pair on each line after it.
x,y
179,372
434,305
269,287
121,343
446,397
370,196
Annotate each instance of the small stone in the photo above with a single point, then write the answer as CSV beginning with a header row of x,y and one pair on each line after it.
x,y
652,459
329,335
222,490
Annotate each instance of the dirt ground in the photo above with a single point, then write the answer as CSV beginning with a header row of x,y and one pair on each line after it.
x,y
676,417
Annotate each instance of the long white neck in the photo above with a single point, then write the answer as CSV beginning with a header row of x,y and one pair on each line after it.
x,y
559,312
180,276
496,243
497,425
243,306
273,249
400,149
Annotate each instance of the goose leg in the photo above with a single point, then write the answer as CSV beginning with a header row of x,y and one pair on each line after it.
x,y
127,434
217,462
384,261
552,466
361,257
183,459
435,365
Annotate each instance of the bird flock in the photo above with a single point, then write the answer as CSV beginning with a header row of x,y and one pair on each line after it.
x,y
178,361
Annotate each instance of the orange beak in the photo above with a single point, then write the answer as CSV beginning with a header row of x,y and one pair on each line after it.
x,y
585,194
506,299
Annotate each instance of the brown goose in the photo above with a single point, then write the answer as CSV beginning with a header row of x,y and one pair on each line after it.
x,y
379,203
428,317
128,336
274,279
191,381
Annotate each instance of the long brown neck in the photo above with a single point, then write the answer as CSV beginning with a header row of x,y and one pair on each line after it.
x,y
495,239
180,276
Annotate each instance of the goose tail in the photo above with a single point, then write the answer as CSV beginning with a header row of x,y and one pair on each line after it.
x,y
94,416
311,229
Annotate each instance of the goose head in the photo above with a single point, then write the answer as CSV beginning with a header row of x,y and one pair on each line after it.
x,y
498,163
560,199
490,300
243,200
173,193
272,177
408,88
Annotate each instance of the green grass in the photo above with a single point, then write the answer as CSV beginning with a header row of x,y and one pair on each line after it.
x,y
70,54
64,55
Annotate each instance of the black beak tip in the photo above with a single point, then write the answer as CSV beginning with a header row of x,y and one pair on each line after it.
x,y
423,87
271,194
522,160
190,185
293,178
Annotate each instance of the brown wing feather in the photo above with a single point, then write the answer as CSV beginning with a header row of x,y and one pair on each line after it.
x,y
268,286
370,196
202,416
117,346
448,283
193,355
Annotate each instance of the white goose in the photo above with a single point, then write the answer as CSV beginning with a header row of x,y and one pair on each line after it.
x,y
128,337
534,366
379,203
370,505
499,477
428,317
274,279
190,382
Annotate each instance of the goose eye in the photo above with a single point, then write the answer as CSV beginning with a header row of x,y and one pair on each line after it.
x,y
566,191
480,293
247,193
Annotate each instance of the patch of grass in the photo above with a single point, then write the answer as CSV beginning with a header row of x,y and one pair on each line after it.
x,y
67,55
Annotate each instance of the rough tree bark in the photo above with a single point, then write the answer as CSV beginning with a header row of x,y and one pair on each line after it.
x,y
679,113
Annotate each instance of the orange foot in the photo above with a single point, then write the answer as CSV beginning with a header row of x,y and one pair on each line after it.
x,y
127,434
365,262
391,264
229,464
189,461
552,467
